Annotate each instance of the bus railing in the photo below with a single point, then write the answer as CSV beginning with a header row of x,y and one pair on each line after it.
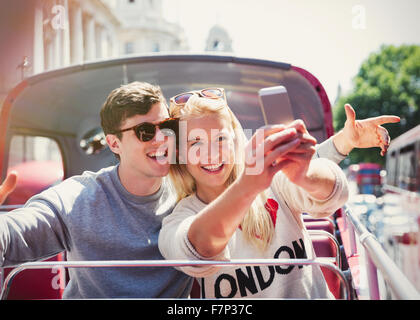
x,y
333,240
378,259
323,262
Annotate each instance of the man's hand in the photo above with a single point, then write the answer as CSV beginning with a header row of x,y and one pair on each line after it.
x,y
8,186
365,133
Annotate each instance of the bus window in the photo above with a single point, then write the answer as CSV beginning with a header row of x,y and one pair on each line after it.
x,y
418,168
38,163
391,168
407,168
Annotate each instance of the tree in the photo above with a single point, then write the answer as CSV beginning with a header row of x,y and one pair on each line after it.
x,y
388,82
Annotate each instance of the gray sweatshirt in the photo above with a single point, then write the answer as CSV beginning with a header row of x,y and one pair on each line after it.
x,y
93,217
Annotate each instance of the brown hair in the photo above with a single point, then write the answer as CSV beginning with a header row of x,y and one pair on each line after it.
x,y
127,101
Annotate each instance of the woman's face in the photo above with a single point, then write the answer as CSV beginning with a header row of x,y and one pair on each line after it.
x,y
210,151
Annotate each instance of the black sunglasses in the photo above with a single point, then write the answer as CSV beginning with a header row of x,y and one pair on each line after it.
x,y
146,131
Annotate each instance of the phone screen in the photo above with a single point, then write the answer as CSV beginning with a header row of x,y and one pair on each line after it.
x,y
275,105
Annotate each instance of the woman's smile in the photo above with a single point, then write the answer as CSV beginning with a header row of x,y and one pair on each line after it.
x,y
213,168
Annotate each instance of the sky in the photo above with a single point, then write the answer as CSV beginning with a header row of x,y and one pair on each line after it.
x,y
329,38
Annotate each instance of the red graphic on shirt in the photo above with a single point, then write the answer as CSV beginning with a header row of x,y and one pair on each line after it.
x,y
271,205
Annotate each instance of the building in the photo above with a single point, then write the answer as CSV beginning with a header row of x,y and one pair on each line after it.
x,y
218,40
41,35
144,29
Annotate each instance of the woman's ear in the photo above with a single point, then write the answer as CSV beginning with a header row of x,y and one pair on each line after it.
x,y
113,143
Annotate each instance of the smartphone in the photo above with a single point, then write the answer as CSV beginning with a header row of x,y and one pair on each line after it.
x,y
275,105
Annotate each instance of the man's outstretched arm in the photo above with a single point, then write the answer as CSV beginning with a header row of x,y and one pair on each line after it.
x,y
367,133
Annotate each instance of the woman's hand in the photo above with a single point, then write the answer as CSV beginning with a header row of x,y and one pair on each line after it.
x,y
301,169
266,153
295,163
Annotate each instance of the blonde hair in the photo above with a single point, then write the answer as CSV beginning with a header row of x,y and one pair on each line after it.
x,y
257,225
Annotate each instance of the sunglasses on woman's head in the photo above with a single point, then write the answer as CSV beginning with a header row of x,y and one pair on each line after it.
x,y
210,93
146,131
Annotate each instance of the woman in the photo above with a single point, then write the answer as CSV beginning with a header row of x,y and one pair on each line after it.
x,y
226,213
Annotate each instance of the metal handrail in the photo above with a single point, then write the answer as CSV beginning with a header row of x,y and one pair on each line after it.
x,y
334,241
310,218
398,282
323,262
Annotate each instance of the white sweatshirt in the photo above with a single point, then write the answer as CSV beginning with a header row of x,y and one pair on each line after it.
x,y
289,241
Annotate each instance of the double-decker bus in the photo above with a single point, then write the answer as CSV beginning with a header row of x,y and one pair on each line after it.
x,y
367,176
403,162
399,214
61,108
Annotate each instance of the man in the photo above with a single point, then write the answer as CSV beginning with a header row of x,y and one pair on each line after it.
x,y
112,214
116,213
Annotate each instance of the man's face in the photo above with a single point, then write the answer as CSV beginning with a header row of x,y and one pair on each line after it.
x,y
145,159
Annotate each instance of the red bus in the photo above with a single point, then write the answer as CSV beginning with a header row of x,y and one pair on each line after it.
x,y
368,178
401,224
62,106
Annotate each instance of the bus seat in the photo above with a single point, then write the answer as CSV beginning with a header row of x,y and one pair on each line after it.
x,y
37,284
34,177
195,290
339,213
333,282
324,246
325,225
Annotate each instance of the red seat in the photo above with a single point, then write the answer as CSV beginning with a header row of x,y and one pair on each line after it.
x,y
325,247
37,283
195,290
325,225
35,176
